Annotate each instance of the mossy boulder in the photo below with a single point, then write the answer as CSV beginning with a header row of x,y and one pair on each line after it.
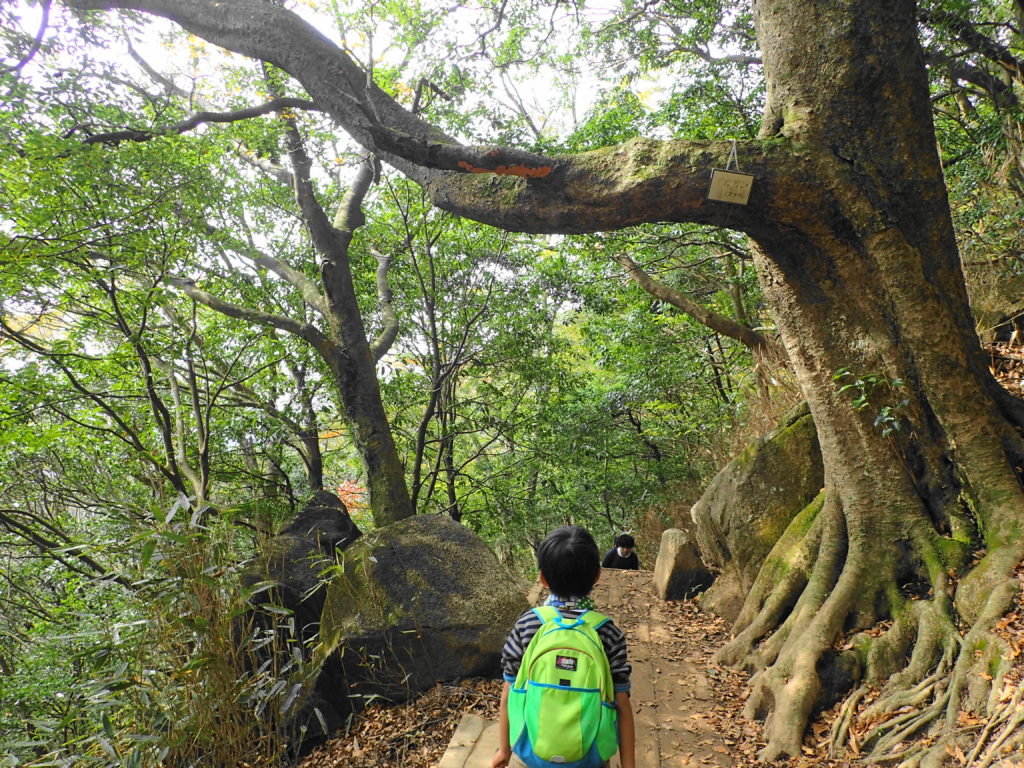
x,y
750,502
420,601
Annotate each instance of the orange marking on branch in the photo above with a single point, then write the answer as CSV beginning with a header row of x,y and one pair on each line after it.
x,y
524,171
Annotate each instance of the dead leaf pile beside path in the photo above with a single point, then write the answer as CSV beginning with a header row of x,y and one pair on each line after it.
x,y
1007,365
412,735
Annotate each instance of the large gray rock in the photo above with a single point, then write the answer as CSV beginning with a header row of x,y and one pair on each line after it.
x,y
679,572
295,559
420,601
750,502
325,521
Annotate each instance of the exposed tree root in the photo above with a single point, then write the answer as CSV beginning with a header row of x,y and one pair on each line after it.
x,y
1002,731
788,690
997,604
776,589
904,712
917,675
840,732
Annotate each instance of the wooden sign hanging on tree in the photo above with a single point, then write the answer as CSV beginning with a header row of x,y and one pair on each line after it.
x,y
730,186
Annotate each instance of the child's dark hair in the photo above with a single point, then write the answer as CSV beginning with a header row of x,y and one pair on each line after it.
x,y
625,541
570,561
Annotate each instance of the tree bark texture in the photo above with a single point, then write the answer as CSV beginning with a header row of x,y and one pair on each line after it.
x,y
919,443
857,258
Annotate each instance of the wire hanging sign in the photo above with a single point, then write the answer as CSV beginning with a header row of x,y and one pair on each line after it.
x,y
730,186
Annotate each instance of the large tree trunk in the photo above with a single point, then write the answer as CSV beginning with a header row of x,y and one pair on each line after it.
x,y
919,443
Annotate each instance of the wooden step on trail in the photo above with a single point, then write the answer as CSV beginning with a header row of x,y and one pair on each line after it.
x,y
474,743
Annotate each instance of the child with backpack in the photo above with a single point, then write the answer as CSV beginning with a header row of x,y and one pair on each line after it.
x,y
565,701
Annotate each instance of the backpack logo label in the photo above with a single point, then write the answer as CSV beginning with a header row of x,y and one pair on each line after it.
x,y
567,663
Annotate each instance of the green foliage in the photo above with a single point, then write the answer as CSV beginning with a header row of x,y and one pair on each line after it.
x,y
118,396
530,385
874,391
618,116
162,666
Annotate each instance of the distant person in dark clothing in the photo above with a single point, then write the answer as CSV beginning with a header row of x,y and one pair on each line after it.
x,y
622,555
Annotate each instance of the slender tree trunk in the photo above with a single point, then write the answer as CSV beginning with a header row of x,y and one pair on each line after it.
x,y
346,348
308,435
447,446
438,374
364,412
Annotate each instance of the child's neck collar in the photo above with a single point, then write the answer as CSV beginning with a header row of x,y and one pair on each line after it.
x,y
571,603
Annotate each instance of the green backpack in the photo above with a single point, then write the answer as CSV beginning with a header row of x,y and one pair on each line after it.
x,y
561,708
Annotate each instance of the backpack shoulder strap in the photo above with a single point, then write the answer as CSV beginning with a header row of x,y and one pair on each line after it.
x,y
546,613
594,619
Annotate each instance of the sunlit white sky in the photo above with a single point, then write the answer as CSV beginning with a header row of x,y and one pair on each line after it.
x,y
553,109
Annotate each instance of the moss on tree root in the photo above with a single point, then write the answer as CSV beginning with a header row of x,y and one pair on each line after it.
x,y
809,633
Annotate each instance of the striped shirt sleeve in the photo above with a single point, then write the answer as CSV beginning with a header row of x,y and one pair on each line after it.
x,y
522,633
614,641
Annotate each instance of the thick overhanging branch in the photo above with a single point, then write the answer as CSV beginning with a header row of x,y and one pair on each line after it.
x,y
636,182
271,33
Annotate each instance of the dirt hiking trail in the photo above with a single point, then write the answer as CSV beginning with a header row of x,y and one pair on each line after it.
x,y
687,710
683,706
676,696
